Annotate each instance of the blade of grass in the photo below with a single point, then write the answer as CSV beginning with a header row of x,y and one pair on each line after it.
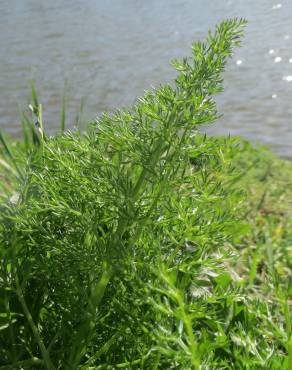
x,y
63,114
10,154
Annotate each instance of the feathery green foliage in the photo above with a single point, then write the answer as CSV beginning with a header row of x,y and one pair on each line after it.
x,y
122,248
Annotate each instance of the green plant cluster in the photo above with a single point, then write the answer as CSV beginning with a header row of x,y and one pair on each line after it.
x,y
133,246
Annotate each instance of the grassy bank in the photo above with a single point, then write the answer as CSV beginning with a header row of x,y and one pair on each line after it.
x,y
143,244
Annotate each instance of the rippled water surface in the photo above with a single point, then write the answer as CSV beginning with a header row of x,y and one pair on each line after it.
x,y
109,51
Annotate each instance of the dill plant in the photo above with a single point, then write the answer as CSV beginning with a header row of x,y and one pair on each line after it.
x,y
118,252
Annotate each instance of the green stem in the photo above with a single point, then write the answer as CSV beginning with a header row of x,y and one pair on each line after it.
x,y
24,364
193,346
187,321
100,352
152,162
289,349
85,330
40,121
127,364
11,331
47,361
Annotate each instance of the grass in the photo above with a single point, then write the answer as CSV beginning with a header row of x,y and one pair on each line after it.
x,y
143,244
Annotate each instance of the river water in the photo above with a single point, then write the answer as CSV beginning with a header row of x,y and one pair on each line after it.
x,y
107,52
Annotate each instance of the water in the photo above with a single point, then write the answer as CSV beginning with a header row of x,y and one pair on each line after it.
x,y
109,51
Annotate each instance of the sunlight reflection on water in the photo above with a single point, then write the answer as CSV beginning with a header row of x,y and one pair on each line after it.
x,y
109,52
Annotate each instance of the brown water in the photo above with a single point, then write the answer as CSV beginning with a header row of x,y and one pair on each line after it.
x,y
110,51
